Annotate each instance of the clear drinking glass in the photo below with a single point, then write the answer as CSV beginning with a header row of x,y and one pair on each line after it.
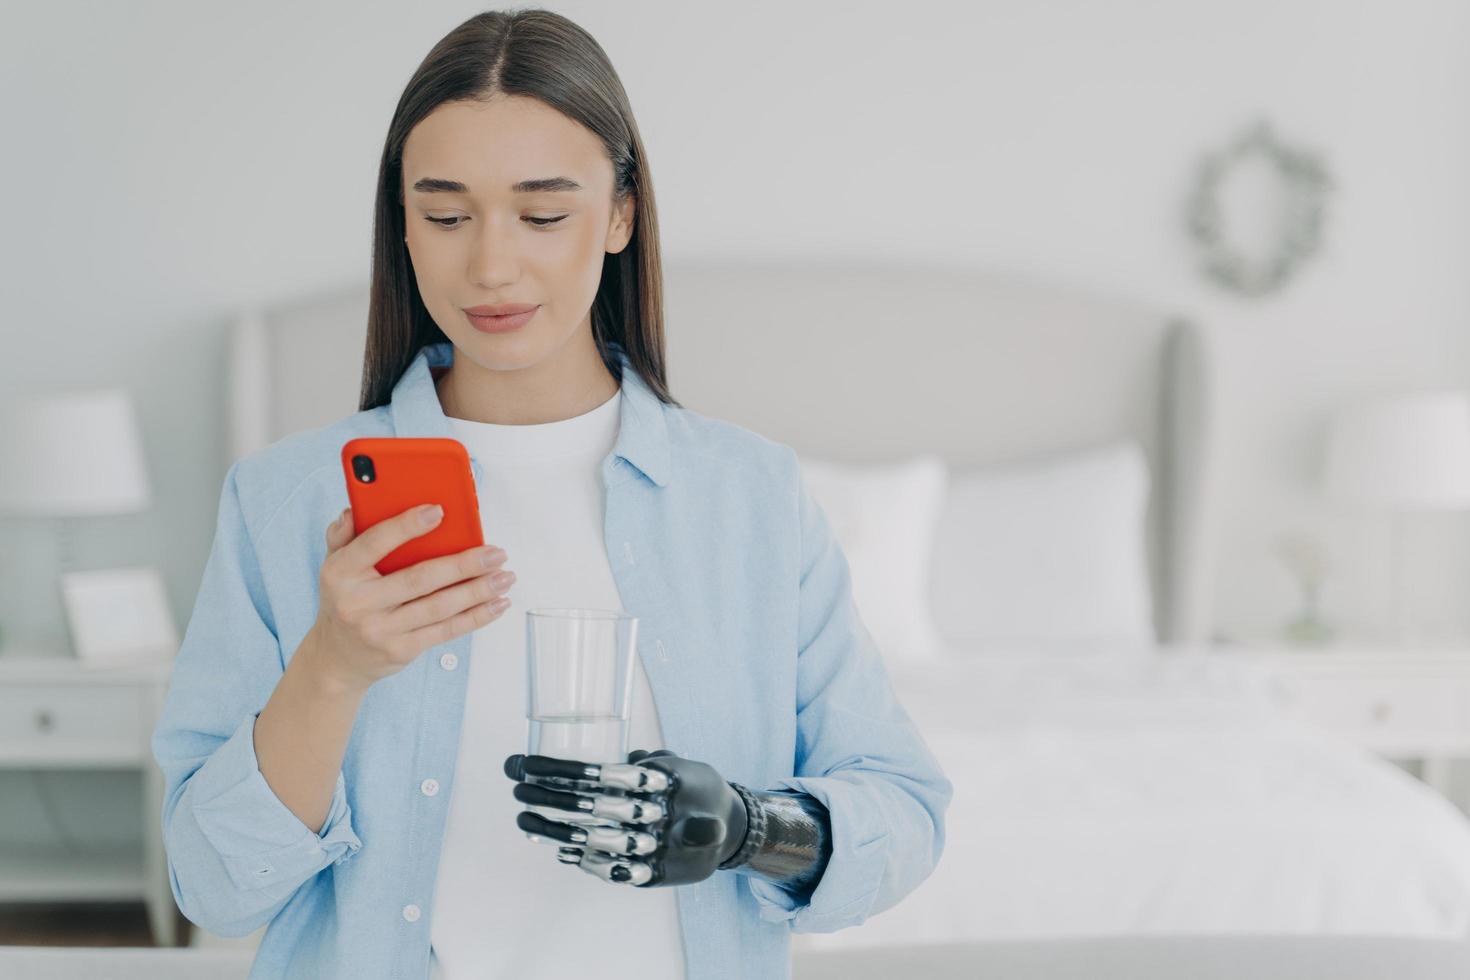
x,y
579,684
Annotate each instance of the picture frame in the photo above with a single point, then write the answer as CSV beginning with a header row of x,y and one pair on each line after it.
x,y
119,616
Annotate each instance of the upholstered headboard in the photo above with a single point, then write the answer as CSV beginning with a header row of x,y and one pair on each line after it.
x,y
861,362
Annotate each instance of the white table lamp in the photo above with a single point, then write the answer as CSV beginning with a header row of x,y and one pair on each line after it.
x,y
80,454
1399,455
71,454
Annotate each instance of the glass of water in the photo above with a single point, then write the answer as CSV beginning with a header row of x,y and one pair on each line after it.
x,y
579,684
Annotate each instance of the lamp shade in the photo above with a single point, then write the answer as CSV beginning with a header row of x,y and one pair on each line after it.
x,y
1411,452
77,453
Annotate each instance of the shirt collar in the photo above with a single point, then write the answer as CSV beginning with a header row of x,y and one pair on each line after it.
x,y
643,437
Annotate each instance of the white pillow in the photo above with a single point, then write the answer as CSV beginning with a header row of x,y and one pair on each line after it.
x,y
884,516
1048,552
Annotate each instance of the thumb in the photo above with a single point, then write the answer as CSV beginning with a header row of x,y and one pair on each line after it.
x,y
340,531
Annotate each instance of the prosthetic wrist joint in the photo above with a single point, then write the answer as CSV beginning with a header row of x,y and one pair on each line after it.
x,y
788,839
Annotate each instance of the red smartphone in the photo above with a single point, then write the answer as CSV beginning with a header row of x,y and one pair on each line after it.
x,y
386,476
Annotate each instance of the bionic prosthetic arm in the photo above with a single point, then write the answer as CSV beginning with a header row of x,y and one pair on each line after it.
x,y
676,821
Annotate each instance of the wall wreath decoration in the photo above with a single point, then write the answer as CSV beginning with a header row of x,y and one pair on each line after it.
x,y
1254,247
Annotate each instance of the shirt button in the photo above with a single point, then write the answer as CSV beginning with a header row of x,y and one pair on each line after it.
x,y
411,913
448,661
429,787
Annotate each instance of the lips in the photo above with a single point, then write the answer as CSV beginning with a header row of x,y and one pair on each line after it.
x,y
504,309
501,324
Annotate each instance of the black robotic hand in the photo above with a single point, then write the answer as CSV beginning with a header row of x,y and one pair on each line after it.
x,y
675,820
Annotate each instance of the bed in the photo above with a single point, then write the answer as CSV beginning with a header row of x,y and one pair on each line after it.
x,y
1130,958
1141,793
1122,788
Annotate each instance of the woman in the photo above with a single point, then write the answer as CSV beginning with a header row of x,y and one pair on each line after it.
x,y
334,766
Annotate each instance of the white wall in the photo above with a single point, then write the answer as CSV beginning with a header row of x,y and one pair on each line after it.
x,y
168,161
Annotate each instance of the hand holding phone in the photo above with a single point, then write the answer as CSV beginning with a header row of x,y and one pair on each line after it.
x,y
391,585
370,625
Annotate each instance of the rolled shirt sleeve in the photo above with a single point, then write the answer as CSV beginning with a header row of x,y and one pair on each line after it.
x,y
259,840
857,751
236,852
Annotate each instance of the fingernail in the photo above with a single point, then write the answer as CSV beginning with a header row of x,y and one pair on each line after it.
x,y
431,515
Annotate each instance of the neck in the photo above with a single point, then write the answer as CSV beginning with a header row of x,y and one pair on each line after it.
x,y
571,382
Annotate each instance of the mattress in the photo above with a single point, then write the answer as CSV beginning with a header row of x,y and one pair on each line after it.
x,y
1160,791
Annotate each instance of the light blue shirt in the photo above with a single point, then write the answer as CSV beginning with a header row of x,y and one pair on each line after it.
x,y
755,652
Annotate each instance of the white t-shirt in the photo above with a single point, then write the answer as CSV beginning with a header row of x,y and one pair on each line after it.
x,y
504,906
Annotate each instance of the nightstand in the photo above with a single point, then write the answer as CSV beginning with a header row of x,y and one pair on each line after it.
x,y
58,713
1400,703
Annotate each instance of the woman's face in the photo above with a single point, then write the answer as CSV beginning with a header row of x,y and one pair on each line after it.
x,y
486,242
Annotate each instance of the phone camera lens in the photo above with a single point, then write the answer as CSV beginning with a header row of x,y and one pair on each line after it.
x,y
362,468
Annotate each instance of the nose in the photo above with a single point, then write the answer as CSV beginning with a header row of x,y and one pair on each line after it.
x,y
493,259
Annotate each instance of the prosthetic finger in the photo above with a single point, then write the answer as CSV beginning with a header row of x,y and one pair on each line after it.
x,y
639,779
614,840
625,809
608,867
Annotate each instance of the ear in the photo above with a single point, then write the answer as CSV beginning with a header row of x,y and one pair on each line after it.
x,y
620,231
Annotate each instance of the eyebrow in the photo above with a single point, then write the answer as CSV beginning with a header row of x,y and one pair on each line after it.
x,y
438,185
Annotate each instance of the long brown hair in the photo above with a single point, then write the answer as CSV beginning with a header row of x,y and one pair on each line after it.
x,y
544,55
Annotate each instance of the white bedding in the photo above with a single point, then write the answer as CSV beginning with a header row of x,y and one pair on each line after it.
x,y
1160,792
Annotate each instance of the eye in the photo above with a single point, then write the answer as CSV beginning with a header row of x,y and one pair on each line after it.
x,y
457,220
